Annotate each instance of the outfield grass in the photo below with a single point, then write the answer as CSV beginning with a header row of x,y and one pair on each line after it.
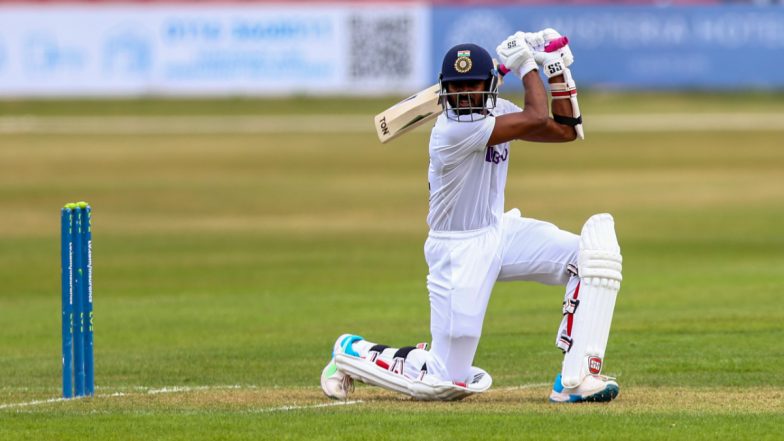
x,y
593,100
225,266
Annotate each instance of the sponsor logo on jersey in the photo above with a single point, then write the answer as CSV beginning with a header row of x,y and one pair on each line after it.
x,y
496,157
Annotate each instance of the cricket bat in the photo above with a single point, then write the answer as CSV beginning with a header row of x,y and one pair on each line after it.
x,y
408,114
423,106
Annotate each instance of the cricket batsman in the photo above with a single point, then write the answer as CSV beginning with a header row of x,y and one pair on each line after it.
x,y
473,243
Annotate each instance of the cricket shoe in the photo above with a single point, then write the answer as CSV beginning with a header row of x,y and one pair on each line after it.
x,y
335,383
595,389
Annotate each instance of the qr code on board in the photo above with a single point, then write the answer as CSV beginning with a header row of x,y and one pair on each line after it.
x,y
381,46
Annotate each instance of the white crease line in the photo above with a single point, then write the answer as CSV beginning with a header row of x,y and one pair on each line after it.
x,y
357,124
31,403
305,407
57,400
175,389
521,387
141,389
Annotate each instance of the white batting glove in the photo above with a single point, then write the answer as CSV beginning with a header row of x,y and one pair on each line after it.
x,y
534,39
553,63
516,55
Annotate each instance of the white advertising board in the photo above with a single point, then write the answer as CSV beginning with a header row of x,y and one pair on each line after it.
x,y
212,49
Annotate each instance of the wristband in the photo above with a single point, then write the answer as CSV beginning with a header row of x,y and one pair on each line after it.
x,y
568,120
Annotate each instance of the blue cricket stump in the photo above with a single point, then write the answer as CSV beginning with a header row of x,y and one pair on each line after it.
x,y
66,243
78,282
89,384
77,301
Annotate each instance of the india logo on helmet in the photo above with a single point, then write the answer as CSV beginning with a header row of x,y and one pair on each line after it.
x,y
463,63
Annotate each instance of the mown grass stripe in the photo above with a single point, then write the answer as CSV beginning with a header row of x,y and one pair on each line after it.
x,y
317,123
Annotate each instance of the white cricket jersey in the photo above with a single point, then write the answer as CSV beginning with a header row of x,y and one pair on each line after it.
x,y
467,178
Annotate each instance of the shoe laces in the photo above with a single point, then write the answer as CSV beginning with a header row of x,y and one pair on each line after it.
x,y
347,383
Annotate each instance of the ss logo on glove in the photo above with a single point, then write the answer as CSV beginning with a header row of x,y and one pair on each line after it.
x,y
511,44
555,68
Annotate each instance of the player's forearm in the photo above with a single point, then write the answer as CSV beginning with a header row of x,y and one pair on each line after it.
x,y
554,131
551,132
518,125
535,96
562,107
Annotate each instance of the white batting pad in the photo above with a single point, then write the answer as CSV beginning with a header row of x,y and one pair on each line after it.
x,y
599,265
426,387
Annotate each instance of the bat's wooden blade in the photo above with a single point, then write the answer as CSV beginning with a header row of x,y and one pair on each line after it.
x,y
408,114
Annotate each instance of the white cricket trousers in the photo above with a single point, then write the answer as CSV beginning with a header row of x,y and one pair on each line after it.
x,y
464,266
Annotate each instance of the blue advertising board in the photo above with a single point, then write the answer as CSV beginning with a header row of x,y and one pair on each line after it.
x,y
209,48
638,47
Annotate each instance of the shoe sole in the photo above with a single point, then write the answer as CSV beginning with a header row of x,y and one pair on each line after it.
x,y
606,395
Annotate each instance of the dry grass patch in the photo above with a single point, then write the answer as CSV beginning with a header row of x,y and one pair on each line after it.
x,y
642,400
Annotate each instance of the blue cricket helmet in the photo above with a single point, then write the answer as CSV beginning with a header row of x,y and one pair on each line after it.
x,y
467,61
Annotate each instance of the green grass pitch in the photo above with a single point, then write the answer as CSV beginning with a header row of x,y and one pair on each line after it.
x,y
225,265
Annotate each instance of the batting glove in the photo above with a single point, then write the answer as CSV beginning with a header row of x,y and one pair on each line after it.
x,y
516,55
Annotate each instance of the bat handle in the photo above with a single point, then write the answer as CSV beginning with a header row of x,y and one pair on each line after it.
x,y
551,46
556,44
